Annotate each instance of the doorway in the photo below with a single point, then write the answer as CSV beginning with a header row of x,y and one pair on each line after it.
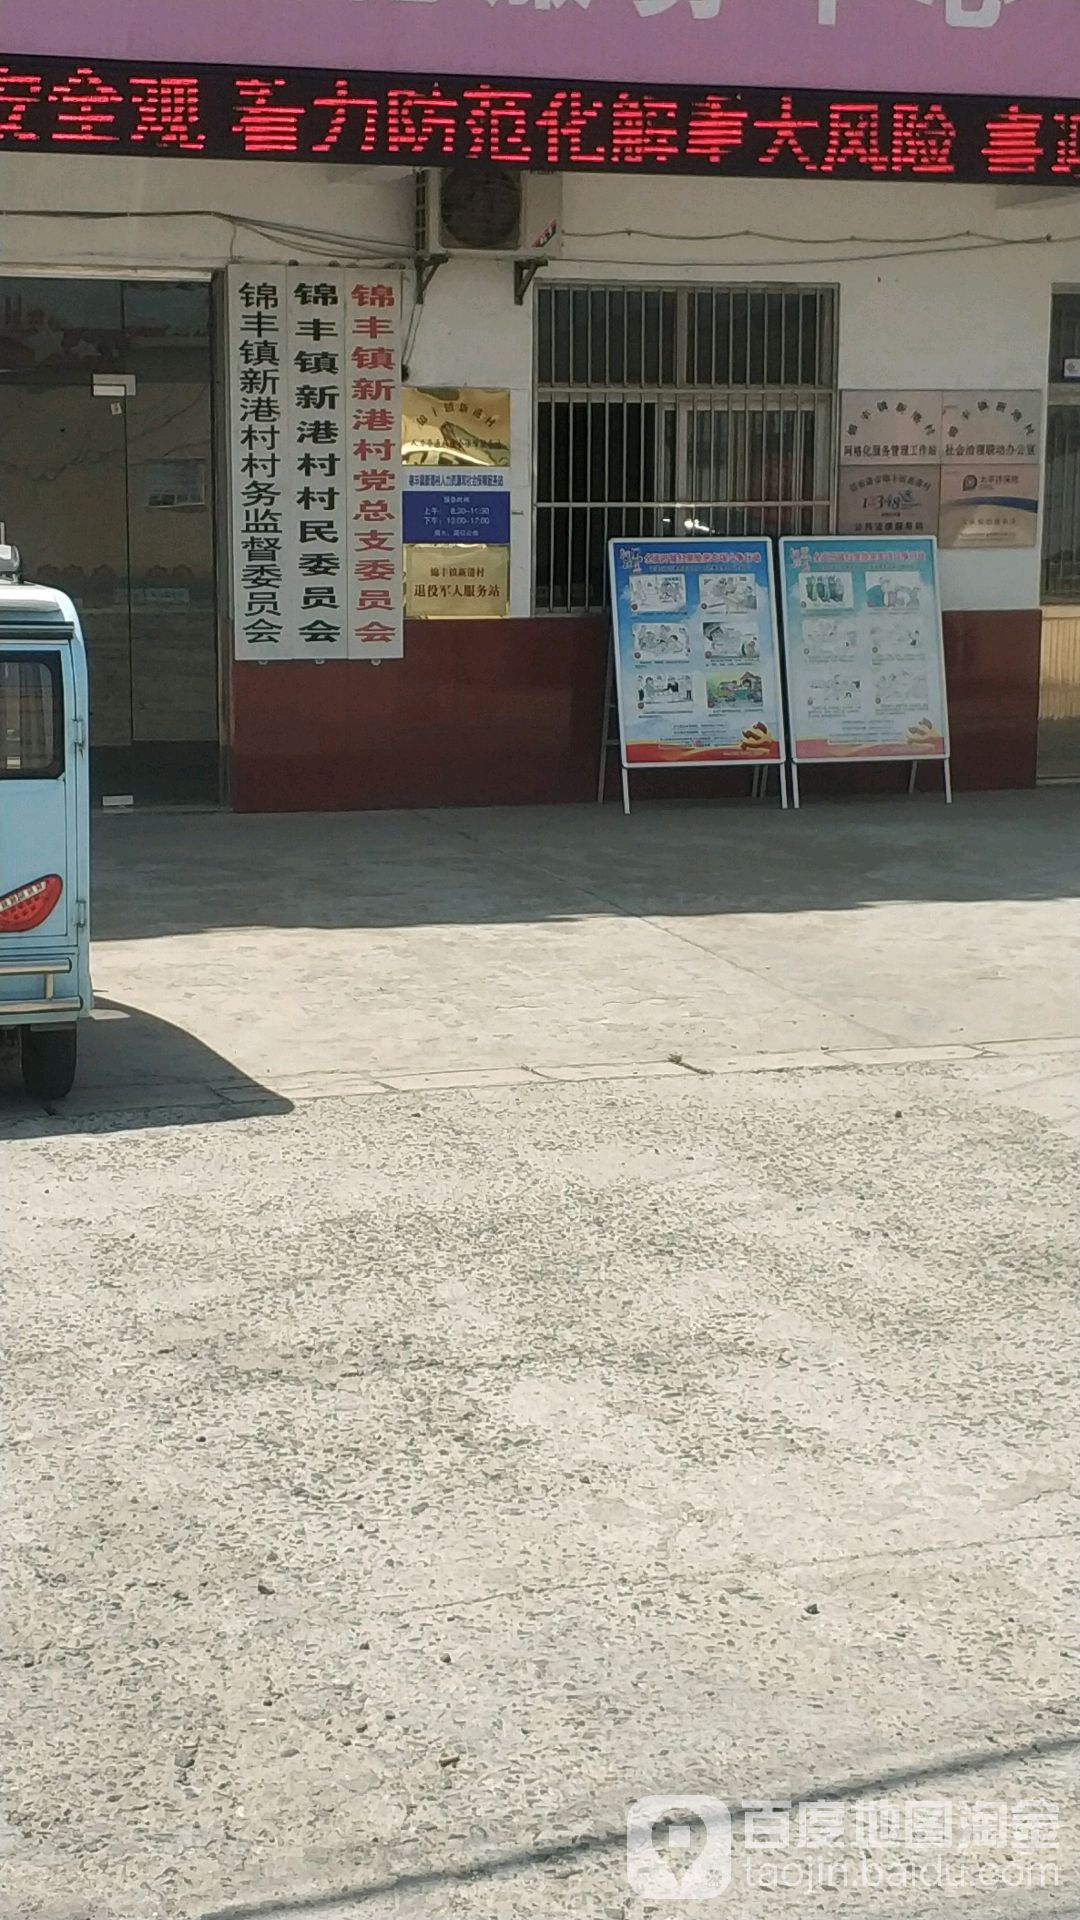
x,y
106,469
1059,679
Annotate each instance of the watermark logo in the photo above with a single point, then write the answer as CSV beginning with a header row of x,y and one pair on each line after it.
x,y
678,1847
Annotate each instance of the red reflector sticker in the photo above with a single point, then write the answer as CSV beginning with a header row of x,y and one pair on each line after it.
x,y
26,907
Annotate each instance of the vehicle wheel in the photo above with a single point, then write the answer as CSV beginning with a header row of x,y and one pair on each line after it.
x,y
48,1061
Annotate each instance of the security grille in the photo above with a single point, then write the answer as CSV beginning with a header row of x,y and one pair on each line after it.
x,y
1061,514
674,410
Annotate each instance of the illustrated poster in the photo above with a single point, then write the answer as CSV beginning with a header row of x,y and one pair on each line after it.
x,y
696,658
863,648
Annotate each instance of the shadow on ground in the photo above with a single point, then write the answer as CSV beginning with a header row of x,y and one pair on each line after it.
x,y
502,866
136,1071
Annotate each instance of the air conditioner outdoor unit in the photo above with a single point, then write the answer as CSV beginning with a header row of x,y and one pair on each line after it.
x,y
497,212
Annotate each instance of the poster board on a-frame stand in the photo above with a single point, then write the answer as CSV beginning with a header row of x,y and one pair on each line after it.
x,y
864,656
696,656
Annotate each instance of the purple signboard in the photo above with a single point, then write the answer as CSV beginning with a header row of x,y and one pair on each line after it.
x,y
1020,47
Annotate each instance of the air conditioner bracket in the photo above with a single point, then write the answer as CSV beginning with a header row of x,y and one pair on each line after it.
x,y
525,272
427,266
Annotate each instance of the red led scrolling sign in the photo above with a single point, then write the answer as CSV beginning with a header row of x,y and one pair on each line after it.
x,y
73,106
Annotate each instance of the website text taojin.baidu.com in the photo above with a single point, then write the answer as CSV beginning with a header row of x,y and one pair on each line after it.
x,y
679,1848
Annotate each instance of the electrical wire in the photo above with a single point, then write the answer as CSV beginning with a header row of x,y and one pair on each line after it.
x,y
789,239
323,242
324,239
317,248
827,259
318,233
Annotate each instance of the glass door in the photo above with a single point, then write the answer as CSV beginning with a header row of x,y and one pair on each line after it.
x,y
105,487
173,608
63,487
1059,677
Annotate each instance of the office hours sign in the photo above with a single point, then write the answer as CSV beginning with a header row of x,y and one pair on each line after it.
x,y
315,433
863,648
696,660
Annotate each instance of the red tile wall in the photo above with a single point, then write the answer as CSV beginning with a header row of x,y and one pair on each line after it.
x,y
509,712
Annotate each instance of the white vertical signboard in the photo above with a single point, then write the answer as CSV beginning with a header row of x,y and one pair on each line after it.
x,y
315,432
316,523
258,415
374,443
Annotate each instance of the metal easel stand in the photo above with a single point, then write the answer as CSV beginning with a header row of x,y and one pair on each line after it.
x,y
759,787
605,731
946,775
611,736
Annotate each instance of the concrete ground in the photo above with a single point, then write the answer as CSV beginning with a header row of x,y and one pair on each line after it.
x,y
530,1310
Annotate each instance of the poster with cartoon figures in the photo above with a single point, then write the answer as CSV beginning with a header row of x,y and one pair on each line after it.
x,y
696,657
862,649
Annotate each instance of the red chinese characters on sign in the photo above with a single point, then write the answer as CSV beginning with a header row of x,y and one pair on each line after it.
x,y
786,139
855,138
17,92
1012,143
566,122
858,136
168,111
375,585
374,297
922,141
498,124
85,109
424,125
345,108
394,119
263,123
1067,157
643,129
716,128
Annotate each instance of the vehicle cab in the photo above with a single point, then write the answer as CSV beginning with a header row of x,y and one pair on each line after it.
x,y
44,830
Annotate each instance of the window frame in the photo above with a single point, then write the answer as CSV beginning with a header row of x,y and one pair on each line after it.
x,y
662,399
1062,406
50,659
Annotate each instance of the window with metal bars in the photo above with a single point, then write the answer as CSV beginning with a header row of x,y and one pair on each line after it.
x,y
1061,506
677,410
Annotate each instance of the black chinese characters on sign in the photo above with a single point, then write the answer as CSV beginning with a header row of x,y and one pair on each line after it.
x,y
315,428
79,106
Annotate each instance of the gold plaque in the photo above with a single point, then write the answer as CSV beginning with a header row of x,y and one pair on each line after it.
x,y
455,427
457,583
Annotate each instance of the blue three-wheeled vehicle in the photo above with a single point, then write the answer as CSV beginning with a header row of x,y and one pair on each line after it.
x,y
44,830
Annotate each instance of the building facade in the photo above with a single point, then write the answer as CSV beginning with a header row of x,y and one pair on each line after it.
x,y
263,329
